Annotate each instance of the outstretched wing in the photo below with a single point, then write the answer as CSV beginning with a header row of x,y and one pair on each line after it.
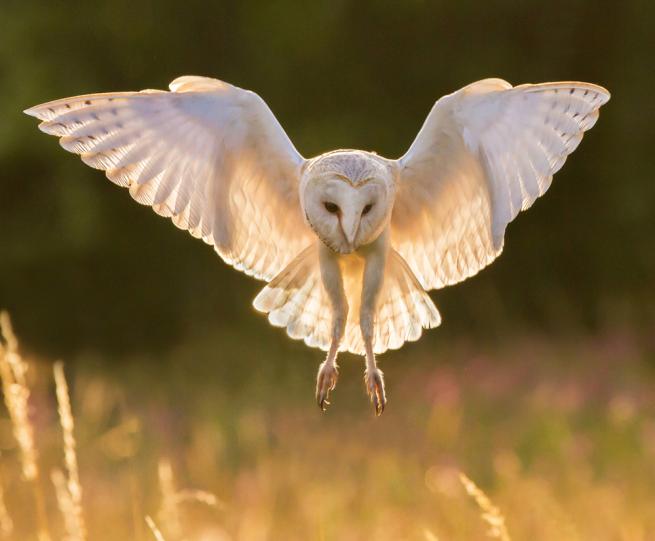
x,y
484,153
207,154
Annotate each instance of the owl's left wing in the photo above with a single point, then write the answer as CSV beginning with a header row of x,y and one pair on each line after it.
x,y
207,154
484,153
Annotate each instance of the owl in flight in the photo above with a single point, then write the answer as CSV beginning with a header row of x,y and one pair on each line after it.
x,y
348,242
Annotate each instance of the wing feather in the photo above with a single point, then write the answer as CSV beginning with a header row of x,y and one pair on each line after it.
x,y
207,154
484,154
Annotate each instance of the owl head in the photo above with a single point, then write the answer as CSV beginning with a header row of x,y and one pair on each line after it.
x,y
347,197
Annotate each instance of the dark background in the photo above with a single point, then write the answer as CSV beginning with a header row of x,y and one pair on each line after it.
x,y
84,268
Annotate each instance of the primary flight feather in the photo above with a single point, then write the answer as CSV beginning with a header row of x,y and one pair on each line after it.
x,y
349,242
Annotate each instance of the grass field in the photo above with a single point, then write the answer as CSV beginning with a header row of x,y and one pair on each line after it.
x,y
559,435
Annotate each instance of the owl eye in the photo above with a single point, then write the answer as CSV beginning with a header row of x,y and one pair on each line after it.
x,y
332,208
367,209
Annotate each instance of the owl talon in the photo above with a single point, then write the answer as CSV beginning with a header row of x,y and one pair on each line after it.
x,y
326,381
374,381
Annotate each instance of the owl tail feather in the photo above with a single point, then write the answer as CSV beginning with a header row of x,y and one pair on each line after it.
x,y
296,299
404,309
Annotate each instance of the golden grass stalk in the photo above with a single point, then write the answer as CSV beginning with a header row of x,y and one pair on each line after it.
x,y
198,496
169,511
172,499
64,503
13,370
77,532
153,528
490,513
17,394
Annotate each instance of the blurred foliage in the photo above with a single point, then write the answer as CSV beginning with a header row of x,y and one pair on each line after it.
x,y
558,430
561,436
83,267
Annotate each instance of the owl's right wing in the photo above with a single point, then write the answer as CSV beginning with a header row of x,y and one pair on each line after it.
x,y
207,154
484,153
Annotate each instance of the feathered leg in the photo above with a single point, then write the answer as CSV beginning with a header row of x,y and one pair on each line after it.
x,y
376,256
326,380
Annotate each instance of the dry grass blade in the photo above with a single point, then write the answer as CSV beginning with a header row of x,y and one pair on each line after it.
x,y
490,513
198,496
78,531
11,342
13,370
64,503
153,528
169,511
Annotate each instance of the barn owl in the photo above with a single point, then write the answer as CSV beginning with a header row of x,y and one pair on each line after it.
x,y
348,242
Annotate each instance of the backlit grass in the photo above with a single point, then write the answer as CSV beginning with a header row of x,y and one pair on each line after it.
x,y
538,441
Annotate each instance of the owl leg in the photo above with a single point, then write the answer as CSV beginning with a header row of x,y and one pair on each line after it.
x,y
328,371
372,285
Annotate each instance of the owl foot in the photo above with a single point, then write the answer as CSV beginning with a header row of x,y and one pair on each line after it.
x,y
374,380
326,381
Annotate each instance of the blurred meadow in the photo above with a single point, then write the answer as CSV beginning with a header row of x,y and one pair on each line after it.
x,y
191,410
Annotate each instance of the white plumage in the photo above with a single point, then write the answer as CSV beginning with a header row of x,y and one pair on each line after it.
x,y
349,242
485,153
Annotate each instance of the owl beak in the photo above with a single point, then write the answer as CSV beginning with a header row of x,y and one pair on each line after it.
x,y
350,226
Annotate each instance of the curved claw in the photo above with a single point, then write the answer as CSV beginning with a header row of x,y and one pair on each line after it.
x,y
323,403
326,381
375,388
